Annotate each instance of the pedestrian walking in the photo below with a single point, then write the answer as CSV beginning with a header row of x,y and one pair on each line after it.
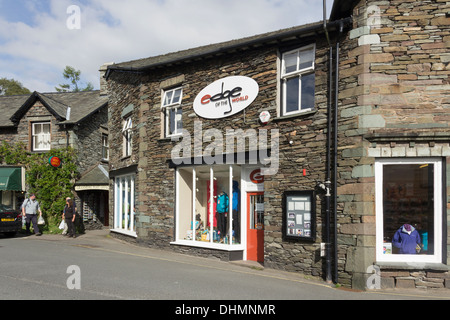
x,y
30,208
64,232
69,216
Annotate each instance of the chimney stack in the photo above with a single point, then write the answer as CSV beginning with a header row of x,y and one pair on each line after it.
x,y
103,86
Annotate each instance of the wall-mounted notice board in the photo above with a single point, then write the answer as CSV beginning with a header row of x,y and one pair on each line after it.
x,y
299,215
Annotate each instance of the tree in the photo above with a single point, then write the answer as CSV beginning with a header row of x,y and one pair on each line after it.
x,y
11,87
73,76
51,185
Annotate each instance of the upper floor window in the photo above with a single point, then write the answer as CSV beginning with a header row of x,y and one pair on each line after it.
x,y
127,136
105,147
41,136
298,80
173,113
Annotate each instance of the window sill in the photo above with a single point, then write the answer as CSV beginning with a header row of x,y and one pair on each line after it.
x,y
413,266
125,232
208,245
40,151
296,115
171,138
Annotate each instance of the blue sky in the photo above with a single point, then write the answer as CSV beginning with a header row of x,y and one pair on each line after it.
x,y
36,42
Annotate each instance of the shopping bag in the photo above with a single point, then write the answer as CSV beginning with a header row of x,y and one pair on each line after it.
x,y
61,225
41,221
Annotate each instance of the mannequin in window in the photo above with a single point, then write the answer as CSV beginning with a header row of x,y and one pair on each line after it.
x,y
214,207
235,208
407,239
222,213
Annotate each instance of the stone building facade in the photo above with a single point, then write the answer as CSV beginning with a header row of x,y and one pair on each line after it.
x,y
299,140
393,114
46,121
385,102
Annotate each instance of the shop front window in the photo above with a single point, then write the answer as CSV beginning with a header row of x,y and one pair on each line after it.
x,y
409,210
208,206
124,205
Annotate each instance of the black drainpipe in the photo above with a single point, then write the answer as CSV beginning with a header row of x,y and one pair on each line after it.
x,y
327,236
328,175
336,111
332,162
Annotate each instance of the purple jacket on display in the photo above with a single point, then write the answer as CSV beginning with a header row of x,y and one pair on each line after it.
x,y
406,239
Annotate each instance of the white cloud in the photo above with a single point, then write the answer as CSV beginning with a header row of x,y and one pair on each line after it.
x,y
116,31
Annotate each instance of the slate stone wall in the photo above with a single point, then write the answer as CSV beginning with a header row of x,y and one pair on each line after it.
x,y
394,103
141,95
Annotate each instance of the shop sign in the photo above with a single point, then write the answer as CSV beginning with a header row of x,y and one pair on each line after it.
x,y
256,177
226,97
55,162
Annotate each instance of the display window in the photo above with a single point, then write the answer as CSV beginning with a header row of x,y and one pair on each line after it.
x,y
409,210
124,205
208,206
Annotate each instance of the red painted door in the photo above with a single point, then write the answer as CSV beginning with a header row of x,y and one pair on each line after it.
x,y
255,232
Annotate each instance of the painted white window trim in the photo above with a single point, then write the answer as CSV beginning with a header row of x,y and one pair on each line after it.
x,y
437,256
296,74
119,213
45,138
167,108
127,132
211,244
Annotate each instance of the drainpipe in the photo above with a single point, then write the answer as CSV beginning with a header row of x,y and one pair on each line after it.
x,y
325,22
336,102
327,237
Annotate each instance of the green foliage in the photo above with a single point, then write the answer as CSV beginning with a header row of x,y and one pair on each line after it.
x,y
13,155
11,87
73,76
51,185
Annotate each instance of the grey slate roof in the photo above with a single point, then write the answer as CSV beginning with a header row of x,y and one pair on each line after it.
x,y
97,175
280,36
8,106
82,104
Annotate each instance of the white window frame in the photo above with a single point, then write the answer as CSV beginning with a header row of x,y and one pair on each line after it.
x,y
127,132
44,138
438,211
124,216
169,106
105,147
211,244
295,74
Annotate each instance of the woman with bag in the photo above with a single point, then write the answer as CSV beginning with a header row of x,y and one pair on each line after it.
x,y
69,217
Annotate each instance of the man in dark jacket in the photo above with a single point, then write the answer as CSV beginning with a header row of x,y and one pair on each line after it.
x,y
406,239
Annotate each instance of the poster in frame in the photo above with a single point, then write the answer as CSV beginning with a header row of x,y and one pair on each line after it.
x,y
299,215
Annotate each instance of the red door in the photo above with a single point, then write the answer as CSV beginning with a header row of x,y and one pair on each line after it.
x,y
255,232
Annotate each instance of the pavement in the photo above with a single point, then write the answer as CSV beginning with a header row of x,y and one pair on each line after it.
x,y
103,241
